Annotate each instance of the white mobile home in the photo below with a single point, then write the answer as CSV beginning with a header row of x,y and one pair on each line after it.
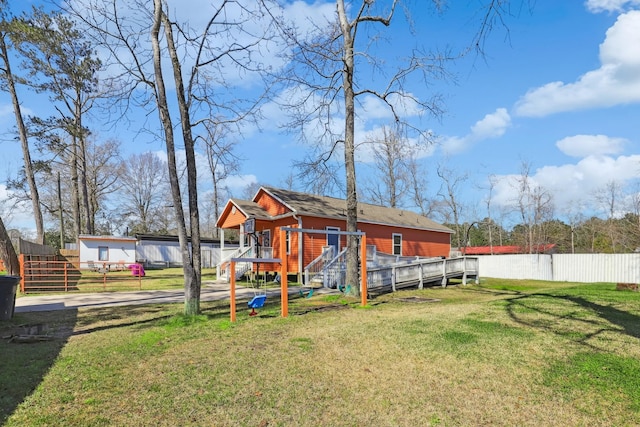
x,y
165,250
106,251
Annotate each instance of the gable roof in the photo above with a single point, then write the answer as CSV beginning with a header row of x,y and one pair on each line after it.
x,y
250,209
334,208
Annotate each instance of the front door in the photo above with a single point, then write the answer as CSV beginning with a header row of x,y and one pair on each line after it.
x,y
333,239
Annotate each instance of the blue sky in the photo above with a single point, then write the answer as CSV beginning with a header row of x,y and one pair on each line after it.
x,y
560,90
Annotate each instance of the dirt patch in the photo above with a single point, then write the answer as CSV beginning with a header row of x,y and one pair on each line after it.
x,y
627,287
320,308
419,300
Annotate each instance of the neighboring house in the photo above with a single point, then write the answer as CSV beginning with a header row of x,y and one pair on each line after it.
x,y
388,230
165,250
106,251
504,250
151,250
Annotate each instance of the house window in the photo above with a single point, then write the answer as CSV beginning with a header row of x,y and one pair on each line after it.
x,y
288,242
397,244
103,253
266,238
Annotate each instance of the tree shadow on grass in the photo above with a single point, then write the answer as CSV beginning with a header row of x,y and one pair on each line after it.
x,y
571,316
24,365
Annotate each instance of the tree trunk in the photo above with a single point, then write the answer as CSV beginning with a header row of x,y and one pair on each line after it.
x,y
60,213
75,191
22,133
8,252
349,149
191,289
165,119
80,139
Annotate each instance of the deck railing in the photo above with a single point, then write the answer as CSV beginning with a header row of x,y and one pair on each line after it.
x,y
422,271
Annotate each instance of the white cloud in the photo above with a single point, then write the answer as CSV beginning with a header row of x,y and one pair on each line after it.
x,y
616,82
492,125
586,145
238,183
596,6
5,110
15,215
572,183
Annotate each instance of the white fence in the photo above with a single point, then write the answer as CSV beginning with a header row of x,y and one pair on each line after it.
x,y
587,268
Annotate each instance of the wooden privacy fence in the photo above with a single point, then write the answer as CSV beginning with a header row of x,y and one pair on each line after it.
x,y
47,273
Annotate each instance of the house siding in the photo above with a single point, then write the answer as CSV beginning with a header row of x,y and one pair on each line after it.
x,y
423,243
274,228
118,249
271,205
233,219
313,243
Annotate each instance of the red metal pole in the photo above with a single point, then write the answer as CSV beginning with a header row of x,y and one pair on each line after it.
x,y
232,307
284,294
363,270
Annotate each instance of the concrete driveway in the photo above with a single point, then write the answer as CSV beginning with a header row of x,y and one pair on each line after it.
x,y
211,291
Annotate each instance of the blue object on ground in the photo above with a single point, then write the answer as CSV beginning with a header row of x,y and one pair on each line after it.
x,y
257,301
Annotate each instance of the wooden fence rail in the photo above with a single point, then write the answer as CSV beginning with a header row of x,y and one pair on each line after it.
x,y
46,274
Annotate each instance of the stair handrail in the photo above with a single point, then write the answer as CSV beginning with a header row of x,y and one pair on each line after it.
x,y
241,268
315,267
334,271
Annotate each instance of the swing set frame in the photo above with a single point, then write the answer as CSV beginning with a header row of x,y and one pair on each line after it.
x,y
284,291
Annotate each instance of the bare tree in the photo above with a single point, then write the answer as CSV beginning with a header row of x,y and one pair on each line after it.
x,y
609,198
488,199
391,181
221,160
201,60
329,72
102,176
418,183
143,183
449,195
534,205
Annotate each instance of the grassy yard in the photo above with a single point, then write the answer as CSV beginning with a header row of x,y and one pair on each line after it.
x,y
501,353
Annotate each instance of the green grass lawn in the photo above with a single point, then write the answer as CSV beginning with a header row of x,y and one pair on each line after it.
x,y
501,353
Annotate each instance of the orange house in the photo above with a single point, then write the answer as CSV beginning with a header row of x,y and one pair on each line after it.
x,y
388,230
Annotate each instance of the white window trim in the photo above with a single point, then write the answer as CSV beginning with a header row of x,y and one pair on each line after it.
x,y
106,248
393,243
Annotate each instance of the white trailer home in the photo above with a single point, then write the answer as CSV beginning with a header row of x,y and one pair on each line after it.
x,y
164,251
96,252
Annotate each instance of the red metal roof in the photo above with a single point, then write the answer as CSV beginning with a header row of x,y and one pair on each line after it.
x,y
503,250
